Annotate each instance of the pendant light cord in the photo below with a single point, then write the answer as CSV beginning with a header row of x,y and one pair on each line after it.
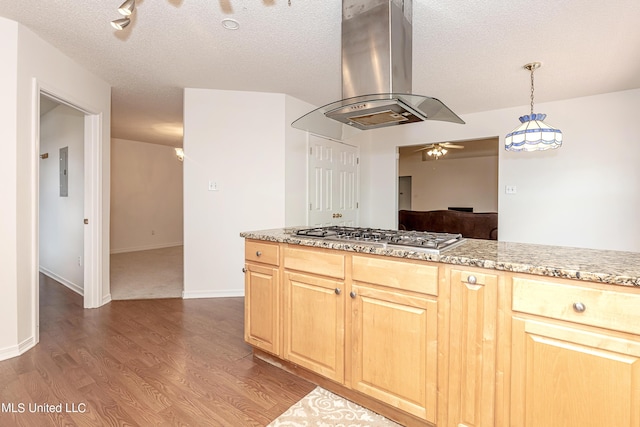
x,y
532,68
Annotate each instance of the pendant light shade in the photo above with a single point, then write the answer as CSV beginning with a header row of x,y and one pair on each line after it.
x,y
533,134
127,7
121,23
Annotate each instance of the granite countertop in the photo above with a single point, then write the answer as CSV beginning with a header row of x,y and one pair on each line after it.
x,y
604,266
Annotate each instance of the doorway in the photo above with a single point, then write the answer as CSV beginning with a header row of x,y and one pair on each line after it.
x,y
464,174
61,194
92,230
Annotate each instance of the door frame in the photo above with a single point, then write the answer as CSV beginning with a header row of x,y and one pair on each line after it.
x,y
93,173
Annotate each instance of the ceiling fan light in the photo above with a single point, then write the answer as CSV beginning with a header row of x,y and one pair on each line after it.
x,y
127,7
120,24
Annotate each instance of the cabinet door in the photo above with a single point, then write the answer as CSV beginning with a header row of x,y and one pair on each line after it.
x,y
314,324
262,308
394,349
564,376
472,349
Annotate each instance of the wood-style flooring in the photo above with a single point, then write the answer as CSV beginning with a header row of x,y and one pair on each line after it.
x,y
142,363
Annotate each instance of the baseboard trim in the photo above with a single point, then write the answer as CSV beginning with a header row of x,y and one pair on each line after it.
x,y
106,299
232,293
74,287
17,350
146,247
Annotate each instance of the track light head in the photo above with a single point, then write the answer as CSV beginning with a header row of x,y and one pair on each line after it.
x,y
127,7
120,24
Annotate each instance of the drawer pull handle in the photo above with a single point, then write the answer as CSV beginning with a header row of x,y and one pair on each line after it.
x,y
472,280
579,307
338,291
352,294
258,253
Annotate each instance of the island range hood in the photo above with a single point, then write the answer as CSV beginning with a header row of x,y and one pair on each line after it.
x,y
376,74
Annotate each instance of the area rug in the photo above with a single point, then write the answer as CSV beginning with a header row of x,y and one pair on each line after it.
x,y
321,408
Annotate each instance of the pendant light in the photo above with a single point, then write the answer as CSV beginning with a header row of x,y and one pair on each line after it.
x,y
533,134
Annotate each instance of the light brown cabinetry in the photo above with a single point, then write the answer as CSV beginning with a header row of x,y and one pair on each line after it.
x,y
394,333
438,344
472,351
573,359
262,296
314,313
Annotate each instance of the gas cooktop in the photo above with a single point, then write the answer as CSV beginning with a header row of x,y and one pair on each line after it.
x,y
413,240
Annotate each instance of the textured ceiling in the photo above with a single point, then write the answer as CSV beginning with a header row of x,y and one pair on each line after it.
x,y
467,53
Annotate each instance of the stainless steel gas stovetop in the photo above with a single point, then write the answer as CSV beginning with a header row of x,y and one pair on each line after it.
x,y
425,241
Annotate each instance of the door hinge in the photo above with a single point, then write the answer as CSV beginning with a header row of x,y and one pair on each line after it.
x,y
357,205
357,160
310,151
86,220
310,206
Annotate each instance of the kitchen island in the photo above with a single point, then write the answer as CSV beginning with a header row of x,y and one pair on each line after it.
x,y
483,334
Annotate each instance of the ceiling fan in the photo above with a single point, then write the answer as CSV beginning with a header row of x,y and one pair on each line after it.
x,y
437,150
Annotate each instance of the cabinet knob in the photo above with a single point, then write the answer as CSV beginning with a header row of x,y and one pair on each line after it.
x,y
472,280
579,307
352,294
258,253
338,291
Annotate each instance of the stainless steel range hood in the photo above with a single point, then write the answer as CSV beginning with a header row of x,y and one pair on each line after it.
x,y
376,74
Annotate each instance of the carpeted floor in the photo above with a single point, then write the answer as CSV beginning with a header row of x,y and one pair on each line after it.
x,y
156,273
321,408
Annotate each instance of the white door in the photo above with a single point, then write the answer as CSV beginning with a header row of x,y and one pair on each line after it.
x,y
333,183
404,193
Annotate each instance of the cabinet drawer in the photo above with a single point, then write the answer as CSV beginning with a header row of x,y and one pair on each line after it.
x,y
314,261
403,275
611,309
261,252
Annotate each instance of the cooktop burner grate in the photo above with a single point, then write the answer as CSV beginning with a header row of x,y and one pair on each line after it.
x,y
414,239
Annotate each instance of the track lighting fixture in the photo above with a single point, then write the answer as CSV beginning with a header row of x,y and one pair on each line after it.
x,y
127,7
119,24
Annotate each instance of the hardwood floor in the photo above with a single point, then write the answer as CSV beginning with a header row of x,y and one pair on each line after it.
x,y
142,363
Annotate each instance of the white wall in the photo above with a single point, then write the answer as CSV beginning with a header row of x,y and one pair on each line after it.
x,y
61,227
584,194
296,159
465,182
239,140
8,176
26,57
146,196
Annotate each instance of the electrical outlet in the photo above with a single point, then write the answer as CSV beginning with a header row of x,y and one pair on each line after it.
x,y
510,189
213,186
80,261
